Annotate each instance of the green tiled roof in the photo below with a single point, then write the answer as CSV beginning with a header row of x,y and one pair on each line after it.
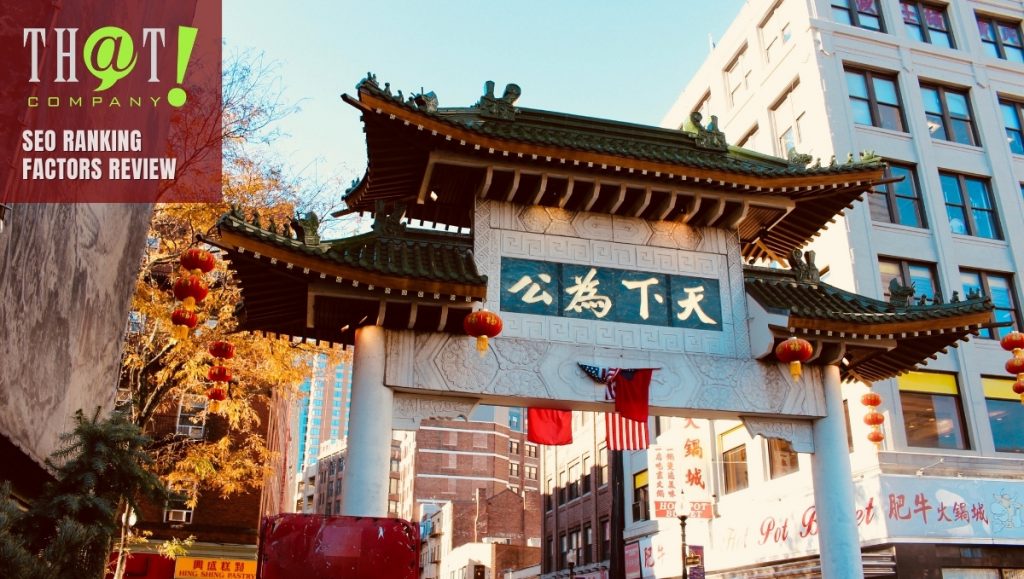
x,y
390,249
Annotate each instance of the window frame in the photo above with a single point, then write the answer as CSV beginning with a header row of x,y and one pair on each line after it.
x,y
854,15
923,27
737,76
1014,309
789,100
947,117
513,469
971,227
999,389
906,277
731,484
869,77
908,391
781,454
1018,111
890,193
641,498
1000,49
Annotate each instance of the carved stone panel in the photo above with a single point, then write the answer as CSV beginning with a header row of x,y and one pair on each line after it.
x,y
796,432
411,409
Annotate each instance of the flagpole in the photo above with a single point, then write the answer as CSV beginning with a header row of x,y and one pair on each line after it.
x,y
617,563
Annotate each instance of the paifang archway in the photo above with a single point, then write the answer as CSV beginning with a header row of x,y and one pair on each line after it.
x,y
611,243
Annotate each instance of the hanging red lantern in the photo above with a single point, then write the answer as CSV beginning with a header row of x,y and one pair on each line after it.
x,y
219,374
1013,342
221,349
871,399
1015,366
190,290
794,351
874,419
197,261
482,324
216,394
183,320
1018,387
876,436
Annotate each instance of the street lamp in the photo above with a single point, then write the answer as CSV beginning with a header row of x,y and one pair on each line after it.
x,y
682,528
570,558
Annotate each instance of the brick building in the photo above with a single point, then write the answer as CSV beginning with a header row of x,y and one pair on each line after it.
x,y
325,491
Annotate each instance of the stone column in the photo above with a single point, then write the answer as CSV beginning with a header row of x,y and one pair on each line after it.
x,y
364,491
833,487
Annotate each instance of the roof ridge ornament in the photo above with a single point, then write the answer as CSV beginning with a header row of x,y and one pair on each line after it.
x,y
306,228
389,223
499,108
802,264
900,295
709,137
795,158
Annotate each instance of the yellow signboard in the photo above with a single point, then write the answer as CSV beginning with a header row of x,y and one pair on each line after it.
x,y
209,568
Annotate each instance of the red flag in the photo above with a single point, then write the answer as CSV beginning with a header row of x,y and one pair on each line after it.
x,y
632,388
625,434
549,426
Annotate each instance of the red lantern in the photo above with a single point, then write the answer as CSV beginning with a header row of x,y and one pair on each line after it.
x,y
1018,387
198,261
874,419
871,399
794,351
219,374
876,436
1014,341
190,290
1015,366
216,394
223,350
182,317
482,324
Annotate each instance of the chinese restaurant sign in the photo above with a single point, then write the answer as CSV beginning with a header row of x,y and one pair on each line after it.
x,y
612,295
195,568
679,473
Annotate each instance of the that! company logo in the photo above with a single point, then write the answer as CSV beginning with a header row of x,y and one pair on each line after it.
x,y
109,53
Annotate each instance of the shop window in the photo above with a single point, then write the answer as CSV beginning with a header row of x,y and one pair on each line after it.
x,y
919,274
969,206
782,459
1005,414
875,99
998,287
933,414
859,13
1001,38
734,460
948,114
927,23
1013,113
641,509
898,201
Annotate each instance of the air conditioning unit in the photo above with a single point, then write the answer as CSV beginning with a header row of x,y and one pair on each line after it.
x,y
178,516
498,540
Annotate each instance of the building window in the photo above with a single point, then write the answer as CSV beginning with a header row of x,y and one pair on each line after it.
x,y
602,466
787,114
782,459
515,420
918,274
927,23
574,546
1013,112
531,473
562,488
588,545
392,486
513,447
191,416
734,466
969,206
549,555
574,481
392,507
751,140
932,413
948,112
1001,38
585,477
998,287
531,450
898,201
563,541
775,34
641,510
1005,414
605,528
875,99
859,13
737,77
549,496
513,469
177,510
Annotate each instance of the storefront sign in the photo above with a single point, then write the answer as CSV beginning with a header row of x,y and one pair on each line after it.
x,y
632,559
696,570
695,468
209,568
666,484
611,295
941,507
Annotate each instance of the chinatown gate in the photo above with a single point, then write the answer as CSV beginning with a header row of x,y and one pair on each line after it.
x,y
607,243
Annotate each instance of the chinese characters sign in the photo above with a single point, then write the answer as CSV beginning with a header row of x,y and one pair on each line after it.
x,y
611,295
190,567
666,489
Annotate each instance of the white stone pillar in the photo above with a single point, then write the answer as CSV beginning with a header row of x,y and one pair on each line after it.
x,y
364,490
833,487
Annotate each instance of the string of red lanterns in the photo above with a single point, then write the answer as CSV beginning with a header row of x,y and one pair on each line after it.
x,y
794,351
1014,342
190,289
873,418
219,373
482,324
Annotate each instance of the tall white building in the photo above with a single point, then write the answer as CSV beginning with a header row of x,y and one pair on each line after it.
x,y
937,90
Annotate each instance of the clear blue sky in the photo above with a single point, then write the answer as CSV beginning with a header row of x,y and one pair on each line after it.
x,y
623,60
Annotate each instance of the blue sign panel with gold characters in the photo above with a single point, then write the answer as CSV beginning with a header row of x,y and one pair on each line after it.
x,y
612,295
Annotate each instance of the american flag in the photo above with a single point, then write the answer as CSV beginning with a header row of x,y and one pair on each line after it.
x,y
622,433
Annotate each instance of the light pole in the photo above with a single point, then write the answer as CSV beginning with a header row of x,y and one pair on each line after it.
x,y
682,528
